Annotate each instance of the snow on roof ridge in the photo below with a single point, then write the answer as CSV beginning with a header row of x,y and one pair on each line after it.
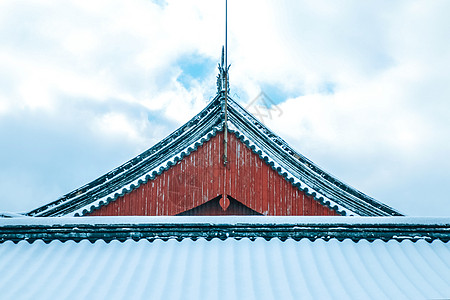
x,y
296,168
143,179
184,130
284,147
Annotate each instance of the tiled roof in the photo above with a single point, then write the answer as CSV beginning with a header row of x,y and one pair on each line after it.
x,y
293,166
225,269
193,227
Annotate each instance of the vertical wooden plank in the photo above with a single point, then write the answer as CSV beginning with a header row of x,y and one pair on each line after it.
x,y
307,205
159,196
249,168
291,200
228,173
188,183
265,188
161,199
210,184
270,193
133,203
247,176
116,207
317,207
217,170
144,197
127,203
165,195
153,201
258,185
275,201
294,202
284,190
137,203
283,207
148,207
141,208
238,170
234,165
203,176
253,200
207,186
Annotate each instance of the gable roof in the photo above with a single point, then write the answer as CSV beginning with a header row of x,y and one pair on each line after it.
x,y
294,167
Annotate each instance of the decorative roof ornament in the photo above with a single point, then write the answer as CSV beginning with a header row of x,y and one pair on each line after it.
x,y
222,78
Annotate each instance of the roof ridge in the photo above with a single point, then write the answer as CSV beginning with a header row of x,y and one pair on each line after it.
x,y
281,144
293,166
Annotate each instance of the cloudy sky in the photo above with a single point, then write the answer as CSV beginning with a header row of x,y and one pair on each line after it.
x,y
363,87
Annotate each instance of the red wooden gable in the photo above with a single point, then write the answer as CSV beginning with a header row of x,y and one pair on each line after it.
x,y
197,183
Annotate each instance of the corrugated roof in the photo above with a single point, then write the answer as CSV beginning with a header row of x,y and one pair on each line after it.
x,y
230,269
293,166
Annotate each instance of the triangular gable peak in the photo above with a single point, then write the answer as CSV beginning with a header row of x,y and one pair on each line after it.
x,y
251,187
203,131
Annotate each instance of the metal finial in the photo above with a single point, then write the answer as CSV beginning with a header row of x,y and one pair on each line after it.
x,y
222,78
222,59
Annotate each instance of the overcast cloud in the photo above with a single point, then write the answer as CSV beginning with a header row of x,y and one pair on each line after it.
x,y
363,87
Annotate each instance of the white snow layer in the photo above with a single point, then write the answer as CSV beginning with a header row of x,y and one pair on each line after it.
x,y
230,269
229,220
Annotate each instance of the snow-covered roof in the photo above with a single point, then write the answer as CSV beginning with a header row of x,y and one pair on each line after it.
x,y
224,257
223,227
293,166
229,269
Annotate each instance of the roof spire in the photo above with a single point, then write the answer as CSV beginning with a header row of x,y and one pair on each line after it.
x,y
225,87
222,78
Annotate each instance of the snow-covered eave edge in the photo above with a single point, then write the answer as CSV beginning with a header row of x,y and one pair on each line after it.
x,y
386,229
226,220
150,175
282,171
181,131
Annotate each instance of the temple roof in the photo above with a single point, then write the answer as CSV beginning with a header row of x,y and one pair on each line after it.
x,y
293,166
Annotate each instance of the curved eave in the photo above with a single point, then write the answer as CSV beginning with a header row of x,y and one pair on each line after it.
x,y
300,171
294,167
140,169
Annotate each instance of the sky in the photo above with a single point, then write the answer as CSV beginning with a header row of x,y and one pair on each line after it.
x,y
361,88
